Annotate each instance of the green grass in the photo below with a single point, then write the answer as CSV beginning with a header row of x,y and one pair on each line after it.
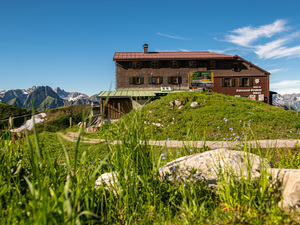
x,y
46,180
216,115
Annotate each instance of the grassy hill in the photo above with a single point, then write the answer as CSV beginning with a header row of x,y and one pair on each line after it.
x,y
217,117
59,118
7,111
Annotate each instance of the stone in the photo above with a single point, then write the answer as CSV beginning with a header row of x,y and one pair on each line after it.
x,y
171,104
208,165
178,103
180,107
289,182
194,104
107,178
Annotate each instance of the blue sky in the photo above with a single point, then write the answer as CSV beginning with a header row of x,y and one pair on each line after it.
x,y
71,43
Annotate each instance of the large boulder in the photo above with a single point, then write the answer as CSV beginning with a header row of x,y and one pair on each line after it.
x,y
289,182
211,164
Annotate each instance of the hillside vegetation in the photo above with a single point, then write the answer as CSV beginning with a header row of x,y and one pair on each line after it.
x,y
7,111
217,117
60,118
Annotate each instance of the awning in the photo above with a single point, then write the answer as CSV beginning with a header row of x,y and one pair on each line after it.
x,y
132,93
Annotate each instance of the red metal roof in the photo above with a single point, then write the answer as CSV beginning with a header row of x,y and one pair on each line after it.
x,y
169,55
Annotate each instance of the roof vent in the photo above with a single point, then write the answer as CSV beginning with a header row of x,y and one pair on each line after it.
x,y
145,48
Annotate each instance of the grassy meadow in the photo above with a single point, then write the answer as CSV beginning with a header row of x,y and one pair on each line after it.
x,y
47,180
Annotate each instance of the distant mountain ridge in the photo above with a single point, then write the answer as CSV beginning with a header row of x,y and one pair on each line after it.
x,y
292,100
44,98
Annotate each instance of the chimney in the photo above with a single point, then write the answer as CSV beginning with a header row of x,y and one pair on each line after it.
x,y
145,48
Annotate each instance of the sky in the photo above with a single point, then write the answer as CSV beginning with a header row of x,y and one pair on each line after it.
x,y
71,43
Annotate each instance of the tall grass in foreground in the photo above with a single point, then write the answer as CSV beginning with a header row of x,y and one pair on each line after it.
x,y
48,182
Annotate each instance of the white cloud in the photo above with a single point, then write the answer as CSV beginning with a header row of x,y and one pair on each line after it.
x,y
288,91
276,70
287,84
275,49
247,35
173,36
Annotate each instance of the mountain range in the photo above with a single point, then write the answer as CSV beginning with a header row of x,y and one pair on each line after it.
x,y
290,100
44,97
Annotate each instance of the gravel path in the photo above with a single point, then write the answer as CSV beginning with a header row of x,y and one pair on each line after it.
x,y
277,143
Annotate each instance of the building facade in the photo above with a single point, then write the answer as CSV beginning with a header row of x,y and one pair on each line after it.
x,y
228,74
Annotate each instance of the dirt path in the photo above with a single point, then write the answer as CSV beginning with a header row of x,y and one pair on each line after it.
x,y
277,143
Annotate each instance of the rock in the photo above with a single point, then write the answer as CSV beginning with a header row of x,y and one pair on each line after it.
x,y
208,165
107,178
171,104
178,103
194,104
289,180
180,107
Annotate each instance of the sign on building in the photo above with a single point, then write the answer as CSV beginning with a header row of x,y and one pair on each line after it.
x,y
201,79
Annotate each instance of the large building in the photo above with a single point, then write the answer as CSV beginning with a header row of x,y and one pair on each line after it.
x,y
149,74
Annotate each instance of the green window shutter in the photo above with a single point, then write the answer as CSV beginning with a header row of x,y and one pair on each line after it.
x,y
250,81
149,64
232,82
142,80
141,64
222,82
159,64
179,80
130,64
130,80
149,80
161,80
169,80
240,82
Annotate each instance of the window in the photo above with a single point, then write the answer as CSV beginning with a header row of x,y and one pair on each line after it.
x,y
155,80
245,82
212,64
236,67
135,64
136,80
192,64
228,82
154,64
174,80
174,64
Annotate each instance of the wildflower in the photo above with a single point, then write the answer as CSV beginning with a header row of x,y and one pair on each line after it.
x,y
213,147
168,139
209,155
239,147
224,139
237,137
241,121
228,146
230,128
170,177
175,167
195,175
250,120
162,154
233,134
230,138
191,150
178,177
178,153
163,158
218,127
160,168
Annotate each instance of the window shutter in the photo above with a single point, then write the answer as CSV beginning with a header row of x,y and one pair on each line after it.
x,y
142,80
250,81
222,82
130,64
169,80
141,64
159,64
149,80
232,82
179,80
240,82
130,80
160,80
149,64
168,64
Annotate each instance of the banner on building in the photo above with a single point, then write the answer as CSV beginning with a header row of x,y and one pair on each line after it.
x,y
201,79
